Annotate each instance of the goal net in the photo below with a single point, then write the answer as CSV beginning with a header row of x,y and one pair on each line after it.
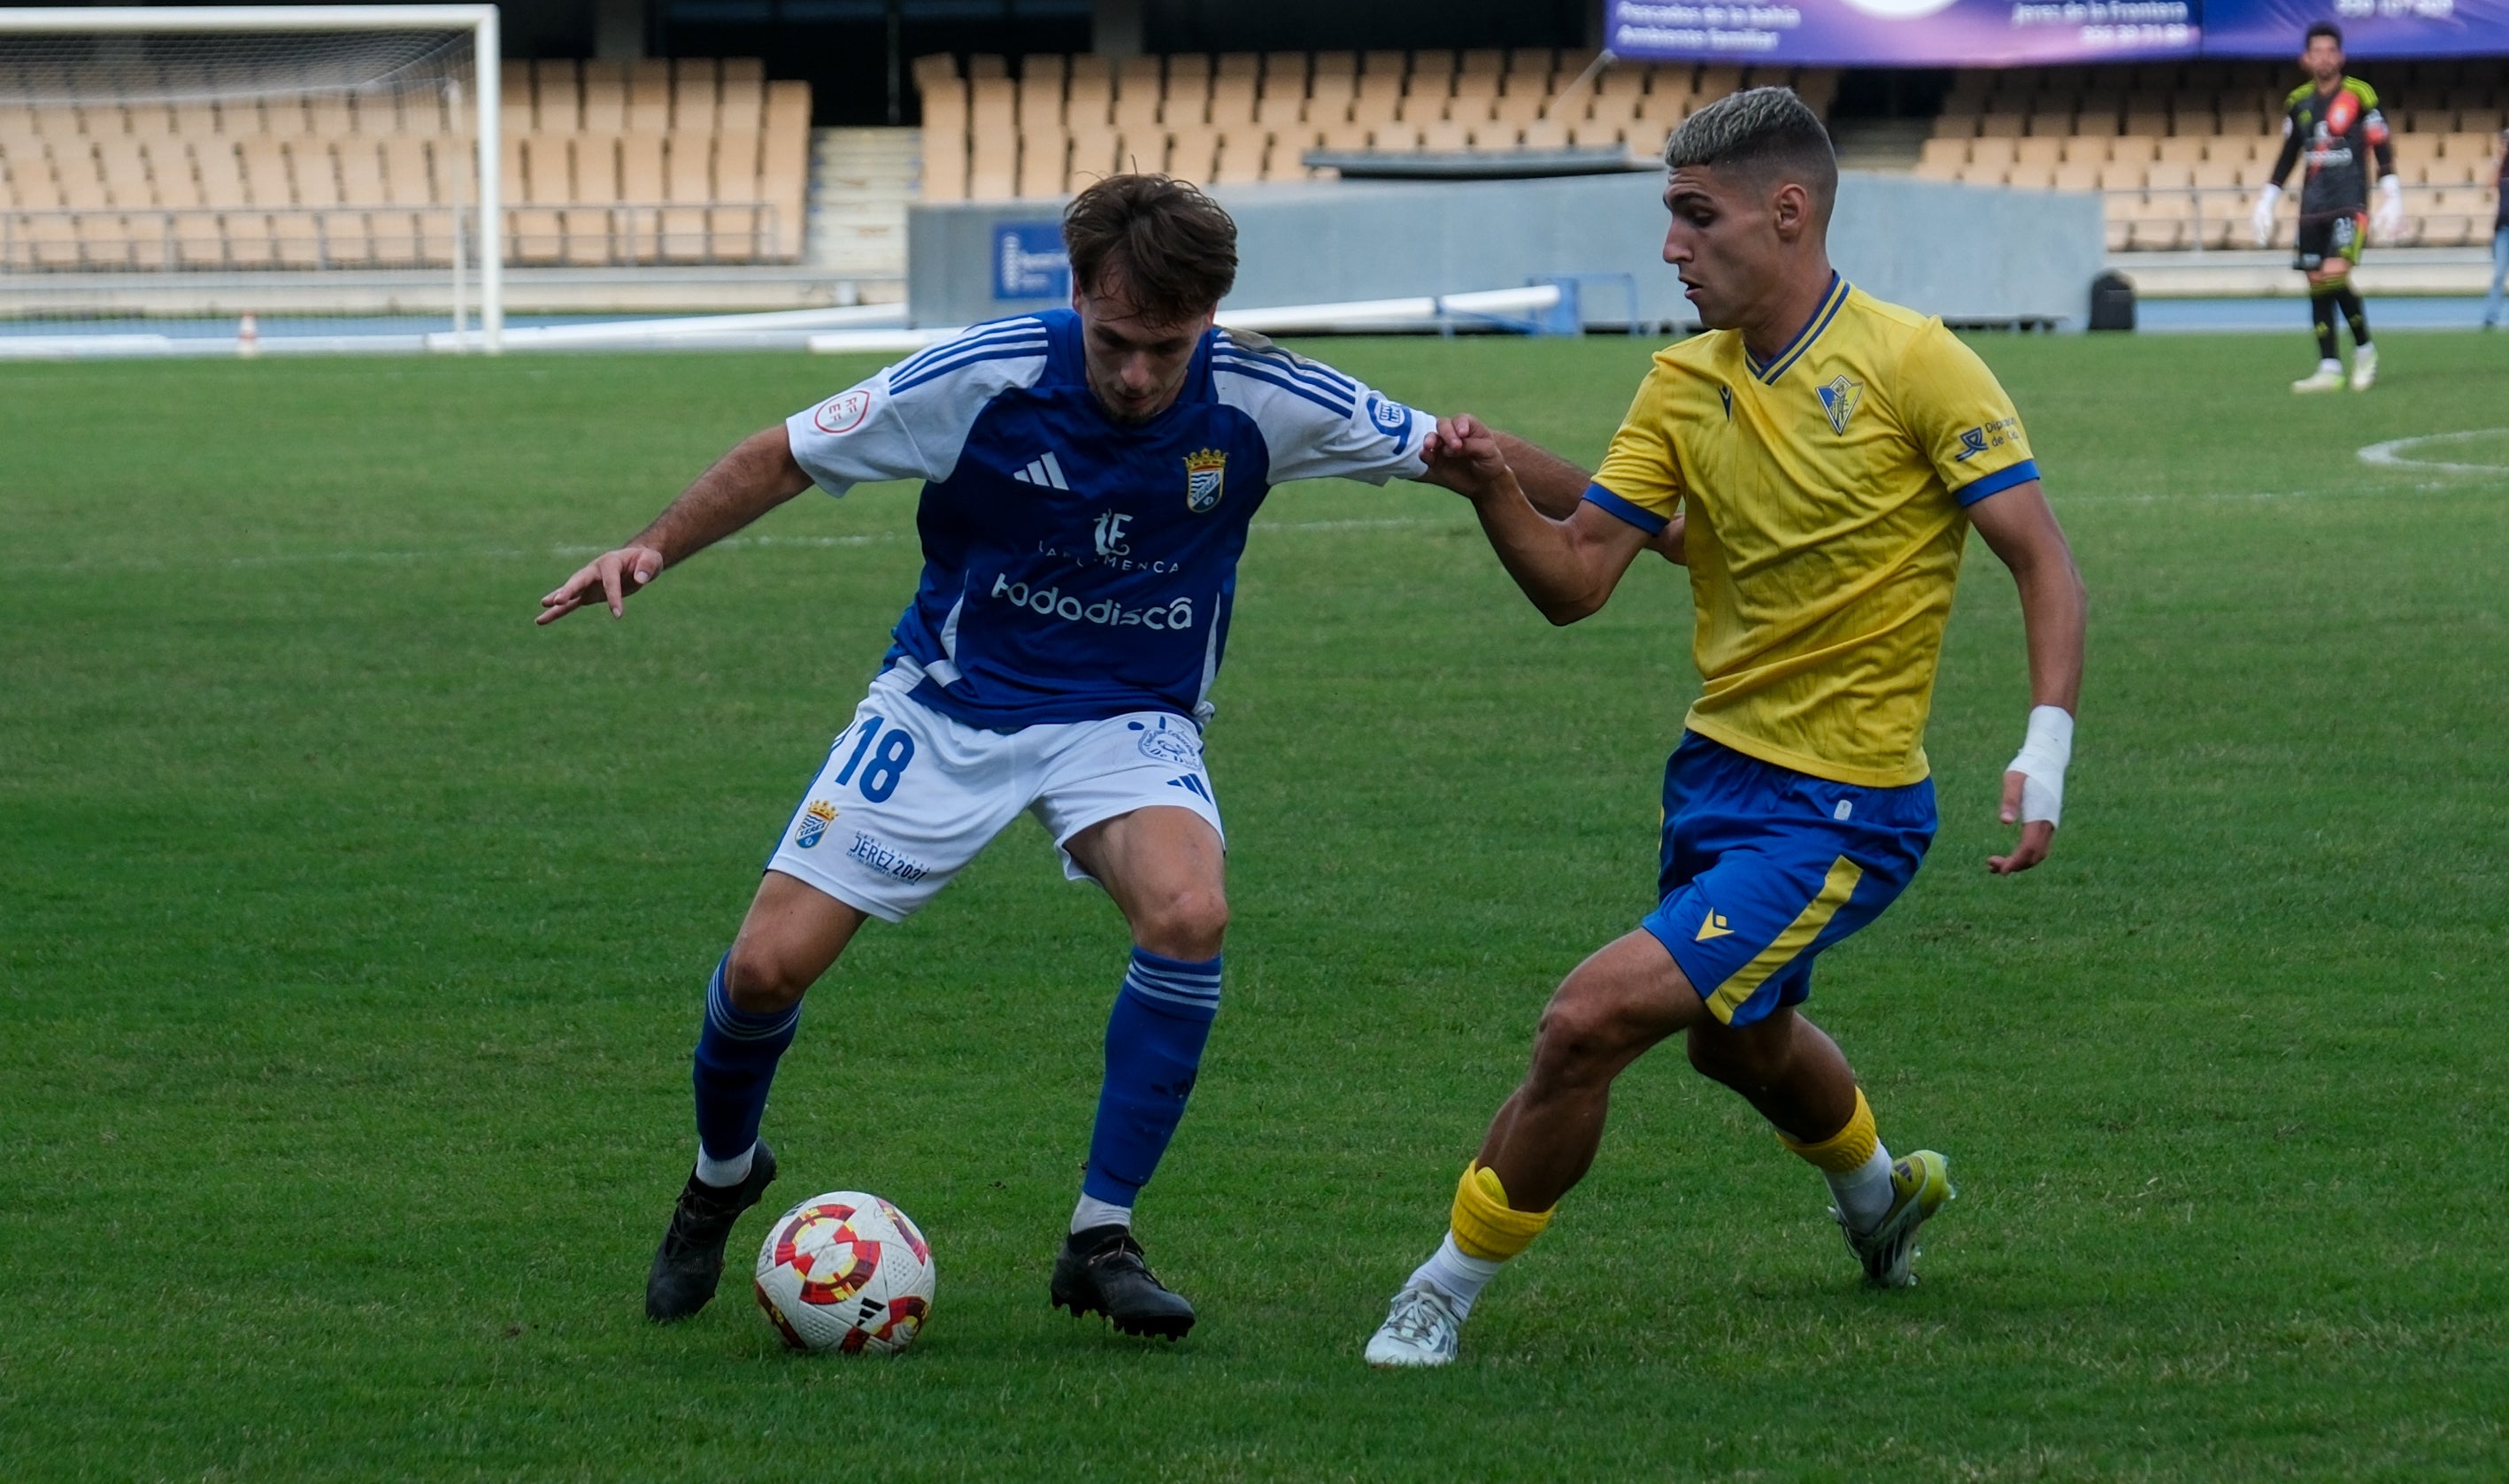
x,y
234,178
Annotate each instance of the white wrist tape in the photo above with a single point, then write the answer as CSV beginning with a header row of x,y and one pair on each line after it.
x,y
2044,754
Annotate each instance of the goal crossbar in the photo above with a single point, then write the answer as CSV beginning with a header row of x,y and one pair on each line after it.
x,y
480,20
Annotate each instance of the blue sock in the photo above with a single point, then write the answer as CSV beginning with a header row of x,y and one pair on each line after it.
x,y
736,1062
1154,1040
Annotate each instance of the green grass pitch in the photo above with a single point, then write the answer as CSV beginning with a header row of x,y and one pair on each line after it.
x,y
353,933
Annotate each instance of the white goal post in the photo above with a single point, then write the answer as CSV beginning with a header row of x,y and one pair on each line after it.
x,y
479,21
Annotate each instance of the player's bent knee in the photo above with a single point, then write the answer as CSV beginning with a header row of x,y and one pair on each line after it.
x,y
762,981
1739,1059
1188,923
1581,1040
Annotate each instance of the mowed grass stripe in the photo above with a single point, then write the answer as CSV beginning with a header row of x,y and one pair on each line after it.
x,y
352,934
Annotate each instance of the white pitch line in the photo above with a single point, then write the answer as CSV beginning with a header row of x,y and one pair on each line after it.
x,y
2064,502
2394,452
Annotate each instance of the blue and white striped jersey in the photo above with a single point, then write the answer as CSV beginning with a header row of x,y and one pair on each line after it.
x,y
1078,567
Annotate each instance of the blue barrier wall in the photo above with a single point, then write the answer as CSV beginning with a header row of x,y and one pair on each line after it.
x,y
1968,253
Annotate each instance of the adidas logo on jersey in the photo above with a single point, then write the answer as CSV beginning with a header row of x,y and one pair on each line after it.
x,y
1044,470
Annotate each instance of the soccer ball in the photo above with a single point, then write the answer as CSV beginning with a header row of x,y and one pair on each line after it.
x,y
845,1271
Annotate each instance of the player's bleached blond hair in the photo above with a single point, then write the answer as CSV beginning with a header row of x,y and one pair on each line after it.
x,y
1767,131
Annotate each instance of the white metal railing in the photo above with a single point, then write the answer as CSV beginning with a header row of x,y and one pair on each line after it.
x,y
155,238
2219,218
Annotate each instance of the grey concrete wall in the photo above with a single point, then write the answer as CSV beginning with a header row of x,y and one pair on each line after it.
x,y
1965,252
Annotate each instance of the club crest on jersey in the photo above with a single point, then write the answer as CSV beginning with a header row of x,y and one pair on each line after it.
x,y
2343,113
1205,474
1838,400
815,823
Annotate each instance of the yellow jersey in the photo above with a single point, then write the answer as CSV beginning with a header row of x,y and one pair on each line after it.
x,y
1825,493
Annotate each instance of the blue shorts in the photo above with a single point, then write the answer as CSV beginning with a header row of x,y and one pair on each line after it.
x,y
1763,868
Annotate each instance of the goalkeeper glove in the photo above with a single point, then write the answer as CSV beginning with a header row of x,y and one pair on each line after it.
x,y
2389,222
2262,217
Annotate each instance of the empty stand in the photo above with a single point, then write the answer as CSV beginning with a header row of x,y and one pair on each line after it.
x,y
2178,151
690,160
1048,125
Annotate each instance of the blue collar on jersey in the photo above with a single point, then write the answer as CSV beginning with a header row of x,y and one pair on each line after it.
x,y
1820,317
1067,362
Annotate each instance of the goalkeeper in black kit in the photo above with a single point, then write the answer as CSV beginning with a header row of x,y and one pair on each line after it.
x,y
2334,123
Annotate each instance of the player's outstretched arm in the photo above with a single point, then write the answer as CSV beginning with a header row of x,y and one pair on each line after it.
x,y
2020,529
755,477
1556,487
1567,567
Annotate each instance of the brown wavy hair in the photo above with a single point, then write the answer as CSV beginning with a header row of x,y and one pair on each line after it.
x,y
1171,249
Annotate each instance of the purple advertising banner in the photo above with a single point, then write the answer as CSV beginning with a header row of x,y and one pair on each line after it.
x,y
2002,33
1907,33
2371,27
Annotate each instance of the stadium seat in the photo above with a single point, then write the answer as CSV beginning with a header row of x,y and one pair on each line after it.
x,y
1545,134
1094,153
540,177
1045,162
1242,156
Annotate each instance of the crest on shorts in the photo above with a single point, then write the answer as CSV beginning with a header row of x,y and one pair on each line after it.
x,y
1162,745
815,823
1838,399
1205,474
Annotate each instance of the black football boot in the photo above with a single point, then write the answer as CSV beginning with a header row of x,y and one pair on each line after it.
x,y
690,1261
1101,1270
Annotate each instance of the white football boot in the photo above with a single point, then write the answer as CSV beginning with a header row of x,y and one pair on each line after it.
x,y
2328,377
2365,367
1421,1331
1920,1184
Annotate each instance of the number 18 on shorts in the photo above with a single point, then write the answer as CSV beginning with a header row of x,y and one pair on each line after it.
x,y
908,795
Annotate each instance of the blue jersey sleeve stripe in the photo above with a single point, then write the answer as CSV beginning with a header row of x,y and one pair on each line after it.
x,y
1295,388
1644,519
1009,352
1295,364
935,372
1312,372
1009,329
1346,394
995,334
1996,483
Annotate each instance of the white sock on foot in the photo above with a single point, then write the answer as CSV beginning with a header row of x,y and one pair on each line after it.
x,y
1864,1194
722,1173
1458,1276
1092,1212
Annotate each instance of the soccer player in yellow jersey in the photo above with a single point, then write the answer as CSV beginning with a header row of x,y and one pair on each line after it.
x,y
1827,454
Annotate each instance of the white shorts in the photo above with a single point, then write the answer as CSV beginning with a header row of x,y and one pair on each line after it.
x,y
908,795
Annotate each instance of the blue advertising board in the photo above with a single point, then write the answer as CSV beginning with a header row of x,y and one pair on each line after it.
x,y
2372,28
2003,33
1028,261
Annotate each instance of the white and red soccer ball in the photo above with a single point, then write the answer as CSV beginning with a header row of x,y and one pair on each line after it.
x,y
845,1271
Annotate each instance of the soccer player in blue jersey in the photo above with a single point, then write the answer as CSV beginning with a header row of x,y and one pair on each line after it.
x,y
1088,477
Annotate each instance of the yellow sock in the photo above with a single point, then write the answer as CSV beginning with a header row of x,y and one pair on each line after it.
x,y
1484,1225
1845,1150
